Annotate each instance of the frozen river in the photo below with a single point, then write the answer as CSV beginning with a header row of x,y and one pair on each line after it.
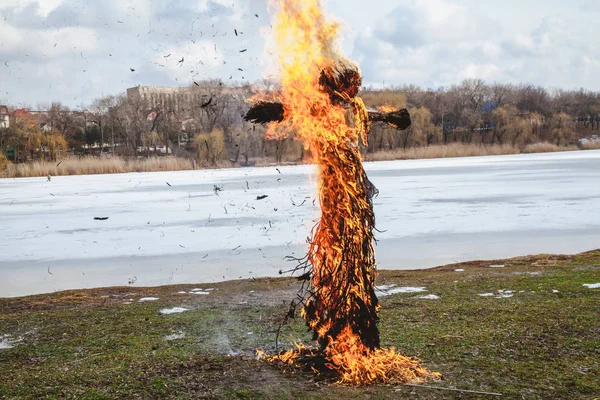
x,y
171,227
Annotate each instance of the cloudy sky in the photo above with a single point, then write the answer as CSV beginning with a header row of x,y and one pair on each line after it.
x,y
77,50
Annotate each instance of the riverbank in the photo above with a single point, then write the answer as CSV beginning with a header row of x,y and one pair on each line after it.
x,y
524,328
118,165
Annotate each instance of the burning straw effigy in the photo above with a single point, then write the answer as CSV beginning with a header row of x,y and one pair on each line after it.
x,y
318,102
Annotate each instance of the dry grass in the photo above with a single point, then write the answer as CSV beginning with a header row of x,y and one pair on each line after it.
x,y
4,163
545,147
94,165
443,151
591,146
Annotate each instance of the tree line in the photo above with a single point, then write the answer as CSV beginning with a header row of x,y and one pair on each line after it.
x,y
206,124
476,112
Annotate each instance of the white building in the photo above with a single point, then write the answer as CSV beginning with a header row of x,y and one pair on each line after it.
x,y
4,117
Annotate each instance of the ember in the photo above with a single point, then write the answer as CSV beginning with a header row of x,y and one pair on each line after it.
x,y
318,101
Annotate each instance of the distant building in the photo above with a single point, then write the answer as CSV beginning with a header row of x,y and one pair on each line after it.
x,y
4,117
178,99
25,118
170,98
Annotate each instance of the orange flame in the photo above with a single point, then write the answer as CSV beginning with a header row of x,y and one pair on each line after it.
x,y
386,109
342,307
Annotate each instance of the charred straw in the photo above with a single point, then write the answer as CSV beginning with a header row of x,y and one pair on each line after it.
x,y
264,112
399,119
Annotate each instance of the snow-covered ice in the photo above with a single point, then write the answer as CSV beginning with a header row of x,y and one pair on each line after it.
x,y
592,285
429,212
147,299
174,310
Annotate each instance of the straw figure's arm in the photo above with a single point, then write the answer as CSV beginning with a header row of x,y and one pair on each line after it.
x,y
264,112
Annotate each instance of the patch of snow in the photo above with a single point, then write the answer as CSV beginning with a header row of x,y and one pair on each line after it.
x,y
181,292
555,291
175,336
7,343
201,293
388,290
428,297
210,290
497,266
535,273
175,310
505,294
145,299
459,270
250,333
198,290
592,285
386,287
487,294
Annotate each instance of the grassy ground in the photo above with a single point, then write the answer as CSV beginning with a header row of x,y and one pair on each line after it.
x,y
541,343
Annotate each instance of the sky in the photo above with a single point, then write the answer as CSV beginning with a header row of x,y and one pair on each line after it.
x,y
75,51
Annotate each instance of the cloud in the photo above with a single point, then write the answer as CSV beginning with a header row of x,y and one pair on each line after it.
x,y
590,6
77,50
438,43
428,42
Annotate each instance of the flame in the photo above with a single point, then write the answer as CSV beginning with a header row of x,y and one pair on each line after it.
x,y
342,306
386,109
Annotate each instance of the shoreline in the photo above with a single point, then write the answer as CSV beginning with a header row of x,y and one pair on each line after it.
x,y
526,326
175,164
382,274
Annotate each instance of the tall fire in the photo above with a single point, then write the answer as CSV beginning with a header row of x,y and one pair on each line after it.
x,y
318,101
